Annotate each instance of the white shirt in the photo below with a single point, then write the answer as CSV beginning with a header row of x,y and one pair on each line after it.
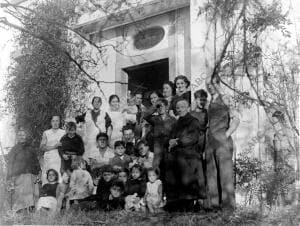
x,y
104,159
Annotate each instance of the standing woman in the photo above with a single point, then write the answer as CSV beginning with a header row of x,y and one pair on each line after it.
x,y
162,124
22,170
168,91
181,84
49,145
117,119
96,121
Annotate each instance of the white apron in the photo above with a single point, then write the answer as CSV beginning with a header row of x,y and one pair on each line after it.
x,y
118,121
52,159
91,131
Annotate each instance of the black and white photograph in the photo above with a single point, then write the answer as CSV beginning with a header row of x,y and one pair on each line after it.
x,y
149,112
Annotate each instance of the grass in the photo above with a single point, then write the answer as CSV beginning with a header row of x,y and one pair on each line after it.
x,y
244,216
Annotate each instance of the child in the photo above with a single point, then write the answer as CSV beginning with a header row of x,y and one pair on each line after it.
x,y
47,200
103,187
145,156
116,199
121,160
131,110
81,182
96,176
153,194
62,189
134,157
71,145
136,190
123,177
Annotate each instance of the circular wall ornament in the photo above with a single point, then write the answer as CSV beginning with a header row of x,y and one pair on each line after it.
x,y
148,37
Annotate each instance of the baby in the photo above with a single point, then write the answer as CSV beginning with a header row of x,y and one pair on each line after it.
x,y
130,110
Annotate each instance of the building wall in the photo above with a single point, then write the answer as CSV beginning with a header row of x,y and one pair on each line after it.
x,y
175,46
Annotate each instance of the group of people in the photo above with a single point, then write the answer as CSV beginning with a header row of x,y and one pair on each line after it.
x,y
139,158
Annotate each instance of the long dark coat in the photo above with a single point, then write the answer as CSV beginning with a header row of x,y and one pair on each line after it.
x,y
183,171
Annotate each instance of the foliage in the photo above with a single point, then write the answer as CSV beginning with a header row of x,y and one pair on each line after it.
x,y
39,80
264,180
242,216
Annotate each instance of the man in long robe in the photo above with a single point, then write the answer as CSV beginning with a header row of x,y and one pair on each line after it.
x,y
184,179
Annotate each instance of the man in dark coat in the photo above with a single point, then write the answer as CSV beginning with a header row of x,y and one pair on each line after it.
x,y
223,121
184,179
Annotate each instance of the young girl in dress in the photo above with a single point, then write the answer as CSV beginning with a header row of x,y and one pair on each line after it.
x,y
153,196
47,200
81,182
136,190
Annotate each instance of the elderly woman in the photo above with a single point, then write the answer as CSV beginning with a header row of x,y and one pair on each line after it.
x,y
96,121
181,84
22,170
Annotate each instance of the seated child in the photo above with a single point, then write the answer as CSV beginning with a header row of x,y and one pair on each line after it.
x,y
136,190
121,160
123,177
62,189
153,194
81,182
71,146
103,187
116,199
47,200
145,156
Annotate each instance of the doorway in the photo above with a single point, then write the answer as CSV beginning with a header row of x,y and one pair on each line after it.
x,y
148,77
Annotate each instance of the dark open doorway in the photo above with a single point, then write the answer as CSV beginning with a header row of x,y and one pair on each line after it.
x,y
148,77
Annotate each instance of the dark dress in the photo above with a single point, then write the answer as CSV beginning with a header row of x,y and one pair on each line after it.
x,y
218,152
161,133
22,168
22,159
49,190
102,193
137,186
184,179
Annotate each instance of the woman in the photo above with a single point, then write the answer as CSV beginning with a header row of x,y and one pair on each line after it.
x,y
22,170
168,91
117,119
184,178
147,130
162,124
181,84
96,121
154,96
49,145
